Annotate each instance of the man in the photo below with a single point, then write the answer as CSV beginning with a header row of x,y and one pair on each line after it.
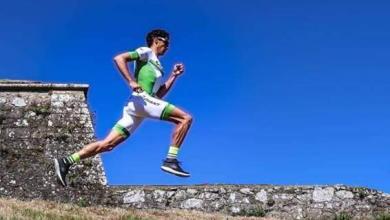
x,y
146,102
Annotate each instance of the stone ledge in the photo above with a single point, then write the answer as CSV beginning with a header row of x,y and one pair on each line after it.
x,y
20,85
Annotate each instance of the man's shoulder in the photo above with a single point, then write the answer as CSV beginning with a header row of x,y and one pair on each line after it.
x,y
143,50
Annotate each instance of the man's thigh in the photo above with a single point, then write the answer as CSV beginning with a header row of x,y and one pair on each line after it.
x,y
127,124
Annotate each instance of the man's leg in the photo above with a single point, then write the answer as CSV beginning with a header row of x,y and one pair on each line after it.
x,y
183,123
153,107
124,127
62,165
113,139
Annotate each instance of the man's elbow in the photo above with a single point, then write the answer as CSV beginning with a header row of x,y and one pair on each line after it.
x,y
122,58
118,58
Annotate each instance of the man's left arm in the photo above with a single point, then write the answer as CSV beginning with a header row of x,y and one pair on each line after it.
x,y
178,69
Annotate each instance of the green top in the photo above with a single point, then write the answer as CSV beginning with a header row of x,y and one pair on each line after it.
x,y
148,71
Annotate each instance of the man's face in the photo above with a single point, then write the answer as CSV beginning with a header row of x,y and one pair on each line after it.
x,y
162,45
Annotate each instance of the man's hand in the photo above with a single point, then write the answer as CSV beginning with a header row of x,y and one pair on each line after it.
x,y
178,69
135,86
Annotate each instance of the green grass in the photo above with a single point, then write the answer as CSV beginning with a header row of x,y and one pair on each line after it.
x,y
343,216
13,209
129,217
42,215
19,213
254,212
384,216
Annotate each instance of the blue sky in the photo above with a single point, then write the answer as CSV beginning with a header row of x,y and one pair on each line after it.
x,y
282,92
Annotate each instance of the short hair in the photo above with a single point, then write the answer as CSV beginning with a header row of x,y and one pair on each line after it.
x,y
156,33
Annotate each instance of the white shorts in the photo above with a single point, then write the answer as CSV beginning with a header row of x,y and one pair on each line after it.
x,y
140,106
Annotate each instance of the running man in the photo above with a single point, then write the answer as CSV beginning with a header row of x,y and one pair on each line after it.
x,y
146,102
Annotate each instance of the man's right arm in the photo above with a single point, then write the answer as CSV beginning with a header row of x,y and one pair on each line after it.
x,y
121,61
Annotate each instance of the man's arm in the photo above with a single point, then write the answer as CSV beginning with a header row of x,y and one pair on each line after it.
x,y
178,69
121,61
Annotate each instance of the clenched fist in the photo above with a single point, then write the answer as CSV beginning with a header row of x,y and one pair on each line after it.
x,y
178,69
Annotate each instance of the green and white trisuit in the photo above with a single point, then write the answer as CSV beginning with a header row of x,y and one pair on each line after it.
x,y
148,74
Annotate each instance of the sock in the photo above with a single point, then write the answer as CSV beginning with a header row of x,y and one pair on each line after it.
x,y
74,158
173,151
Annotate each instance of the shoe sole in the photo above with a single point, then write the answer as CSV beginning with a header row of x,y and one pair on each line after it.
x,y
58,172
172,171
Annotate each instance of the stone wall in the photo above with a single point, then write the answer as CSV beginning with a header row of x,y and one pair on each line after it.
x,y
281,202
39,122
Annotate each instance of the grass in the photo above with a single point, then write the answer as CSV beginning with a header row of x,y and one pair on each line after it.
x,y
13,209
257,212
343,216
384,216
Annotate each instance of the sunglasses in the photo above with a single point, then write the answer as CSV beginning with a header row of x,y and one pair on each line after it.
x,y
166,42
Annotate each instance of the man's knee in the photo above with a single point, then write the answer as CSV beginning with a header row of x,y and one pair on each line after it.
x,y
187,119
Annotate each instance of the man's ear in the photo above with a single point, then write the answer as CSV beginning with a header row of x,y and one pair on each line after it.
x,y
155,41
